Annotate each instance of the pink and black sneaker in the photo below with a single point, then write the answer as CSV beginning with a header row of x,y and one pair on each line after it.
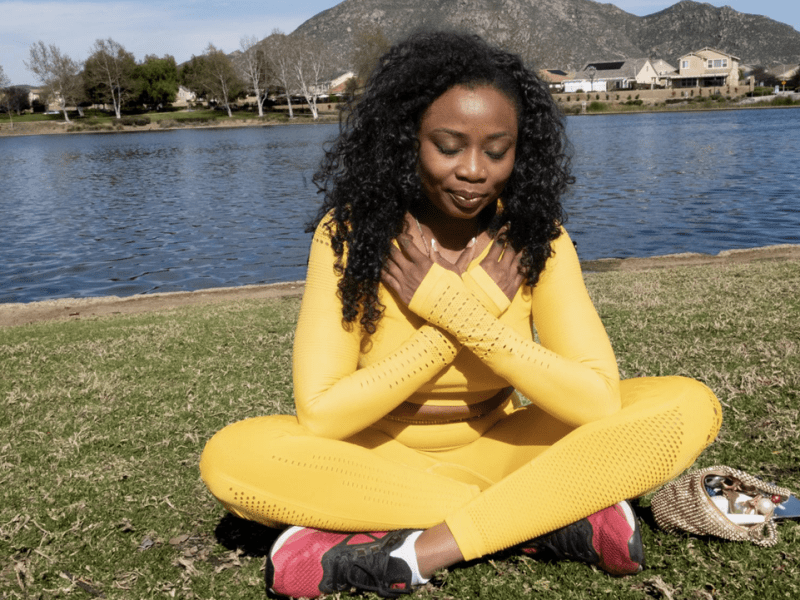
x,y
305,562
609,539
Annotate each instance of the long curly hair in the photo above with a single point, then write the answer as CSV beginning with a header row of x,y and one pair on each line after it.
x,y
369,174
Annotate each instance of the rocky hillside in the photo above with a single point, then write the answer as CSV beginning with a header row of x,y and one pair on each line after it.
x,y
566,33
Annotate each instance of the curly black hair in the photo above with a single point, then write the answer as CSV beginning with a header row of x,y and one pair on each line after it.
x,y
369,174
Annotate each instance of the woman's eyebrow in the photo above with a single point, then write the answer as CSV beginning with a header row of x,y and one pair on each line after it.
x,y
460,134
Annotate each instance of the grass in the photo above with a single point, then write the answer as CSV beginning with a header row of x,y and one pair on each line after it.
x,y
103,422
96,120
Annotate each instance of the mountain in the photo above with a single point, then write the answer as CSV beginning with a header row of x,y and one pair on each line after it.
x,y
566,33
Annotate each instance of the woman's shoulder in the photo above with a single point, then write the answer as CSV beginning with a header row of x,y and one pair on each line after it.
x,y
325,227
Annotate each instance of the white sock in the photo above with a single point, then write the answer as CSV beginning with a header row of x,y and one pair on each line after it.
x,y
408,553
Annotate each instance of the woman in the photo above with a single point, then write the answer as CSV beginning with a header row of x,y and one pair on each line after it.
x,y
437,252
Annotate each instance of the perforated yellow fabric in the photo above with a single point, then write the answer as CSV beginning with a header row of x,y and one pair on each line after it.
x,y
586,442
338,392
626,455
344,383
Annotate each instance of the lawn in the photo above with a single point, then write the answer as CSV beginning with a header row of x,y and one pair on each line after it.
x,y
104,419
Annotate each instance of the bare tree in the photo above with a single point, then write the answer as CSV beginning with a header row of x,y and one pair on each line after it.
x,y
369,44
58,72
254,68
281,50
108,73
310,64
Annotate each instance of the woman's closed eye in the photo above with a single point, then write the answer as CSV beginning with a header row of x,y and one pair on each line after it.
x,y
496,154
448,150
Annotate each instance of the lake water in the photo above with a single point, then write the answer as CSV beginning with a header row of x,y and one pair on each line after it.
x,y
121,214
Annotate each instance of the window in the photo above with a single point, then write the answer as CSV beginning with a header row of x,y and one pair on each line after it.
x,y
685,64
710,64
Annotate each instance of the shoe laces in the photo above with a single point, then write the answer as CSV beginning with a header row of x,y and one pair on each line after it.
x,y
368,569
573,541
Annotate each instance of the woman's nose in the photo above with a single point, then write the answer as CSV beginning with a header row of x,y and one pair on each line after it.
x,y
472,167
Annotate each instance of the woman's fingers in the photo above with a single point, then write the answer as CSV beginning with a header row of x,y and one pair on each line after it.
x,y
405,268
466,257
501,263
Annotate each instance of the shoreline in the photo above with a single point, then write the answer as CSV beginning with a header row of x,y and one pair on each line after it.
x,y
14,314
59,127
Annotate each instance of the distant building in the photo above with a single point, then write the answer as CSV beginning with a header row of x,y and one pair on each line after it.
x,y
339,84
554,78
613,75
784,72
184,96
664,71
706,68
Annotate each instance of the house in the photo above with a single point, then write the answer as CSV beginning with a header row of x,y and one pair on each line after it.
x,y
613,75
706,68
664,71
184,97
784,72
339,84
554,78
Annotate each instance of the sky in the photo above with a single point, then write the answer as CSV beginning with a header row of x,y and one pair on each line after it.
x,y
184,28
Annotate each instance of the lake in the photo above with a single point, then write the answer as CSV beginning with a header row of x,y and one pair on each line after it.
x,y
122,214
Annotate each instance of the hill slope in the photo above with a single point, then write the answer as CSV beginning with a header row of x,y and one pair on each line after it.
x,y
566,33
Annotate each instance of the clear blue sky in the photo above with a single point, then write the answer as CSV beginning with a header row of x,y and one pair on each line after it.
x,y
185,27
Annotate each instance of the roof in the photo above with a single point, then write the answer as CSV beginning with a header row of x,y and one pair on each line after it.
x,y
553,75
621,69
662,67
709,49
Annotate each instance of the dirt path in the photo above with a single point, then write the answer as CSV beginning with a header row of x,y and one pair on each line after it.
x,y
81,308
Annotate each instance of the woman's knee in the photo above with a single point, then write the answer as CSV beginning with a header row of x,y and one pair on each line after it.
x,y
235,446
693,399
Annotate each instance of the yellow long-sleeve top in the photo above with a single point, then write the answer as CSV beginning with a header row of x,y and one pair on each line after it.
x,y
458,342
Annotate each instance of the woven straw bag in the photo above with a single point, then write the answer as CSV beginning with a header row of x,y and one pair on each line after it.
x,y
684,505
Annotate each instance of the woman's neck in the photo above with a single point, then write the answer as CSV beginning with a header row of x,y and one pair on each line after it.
x,y
449,233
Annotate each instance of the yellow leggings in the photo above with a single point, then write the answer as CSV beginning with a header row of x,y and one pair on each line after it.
x,y
525,476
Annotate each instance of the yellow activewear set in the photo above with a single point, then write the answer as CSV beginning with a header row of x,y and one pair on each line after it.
x,y
367,452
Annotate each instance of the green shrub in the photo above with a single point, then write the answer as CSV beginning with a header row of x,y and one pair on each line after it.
x,y
782,101
138,121
597,107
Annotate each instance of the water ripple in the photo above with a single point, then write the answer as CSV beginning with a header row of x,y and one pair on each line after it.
x,y
123,214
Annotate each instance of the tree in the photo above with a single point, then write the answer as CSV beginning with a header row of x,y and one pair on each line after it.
x,y
17,98
155,81
763,77
254,68
5,86
351,87
281,49
57,72
108,74
794,82
309,64
369,44
213,76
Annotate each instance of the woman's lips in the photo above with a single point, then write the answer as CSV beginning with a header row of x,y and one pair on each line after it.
x,y
466,199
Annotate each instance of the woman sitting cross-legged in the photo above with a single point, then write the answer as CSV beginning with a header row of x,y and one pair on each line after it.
x,y
441,287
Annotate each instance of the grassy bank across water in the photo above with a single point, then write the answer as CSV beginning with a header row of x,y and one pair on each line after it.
x,y
100,122
104,419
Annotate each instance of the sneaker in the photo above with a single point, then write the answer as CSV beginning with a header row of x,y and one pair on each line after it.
x,y
305,562
609,539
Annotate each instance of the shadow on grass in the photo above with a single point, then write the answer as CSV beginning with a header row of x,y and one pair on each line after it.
x,y
252,538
